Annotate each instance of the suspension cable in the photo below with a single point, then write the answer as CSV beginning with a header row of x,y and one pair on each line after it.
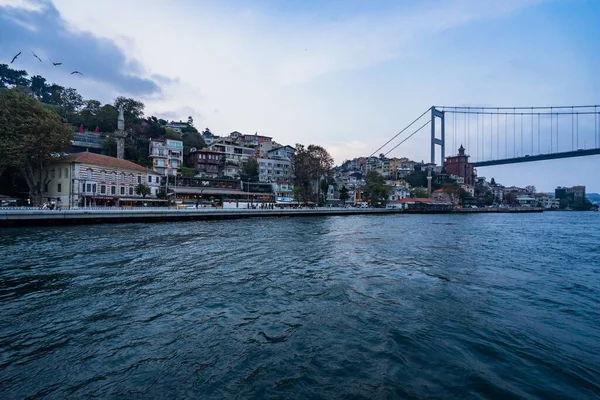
x,y
408,137
395,136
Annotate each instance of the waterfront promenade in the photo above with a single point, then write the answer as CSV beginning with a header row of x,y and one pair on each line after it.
x,y
79,216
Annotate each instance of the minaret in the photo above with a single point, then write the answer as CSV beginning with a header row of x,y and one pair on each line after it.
x,y
120,134
429,183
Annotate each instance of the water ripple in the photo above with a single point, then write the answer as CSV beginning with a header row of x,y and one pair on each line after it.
x,y
461,307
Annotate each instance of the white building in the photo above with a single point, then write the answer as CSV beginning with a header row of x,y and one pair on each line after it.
x,y
85,179
233,153
274,169
283,153
177,126
549,202
167,156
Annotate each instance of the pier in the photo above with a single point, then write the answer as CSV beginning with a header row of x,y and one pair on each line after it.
x,y
35,217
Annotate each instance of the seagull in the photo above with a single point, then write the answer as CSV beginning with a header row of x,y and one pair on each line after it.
x,y
76,72
53,63
15,57
35,55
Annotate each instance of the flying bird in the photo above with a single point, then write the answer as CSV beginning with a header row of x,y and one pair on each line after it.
x,y
35,55
15,57
76,72
53,63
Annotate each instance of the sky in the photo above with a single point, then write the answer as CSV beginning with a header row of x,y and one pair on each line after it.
x,y
344,74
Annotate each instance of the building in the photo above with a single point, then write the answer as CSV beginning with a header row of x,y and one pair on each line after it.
x,y
207,162
177,126
576,193
254,140
419,204
459,165
274,169
167,156
283,188
89,179
526,201
283,153
548,202
234,154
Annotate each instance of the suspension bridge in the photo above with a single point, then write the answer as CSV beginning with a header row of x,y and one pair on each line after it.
x,y
507,135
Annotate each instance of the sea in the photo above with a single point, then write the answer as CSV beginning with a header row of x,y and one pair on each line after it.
x,y
478,306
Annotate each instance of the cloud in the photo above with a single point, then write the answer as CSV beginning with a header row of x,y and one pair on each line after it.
x,y
38,27
344,74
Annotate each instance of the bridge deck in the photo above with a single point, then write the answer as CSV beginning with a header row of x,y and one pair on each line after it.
x,y
539,157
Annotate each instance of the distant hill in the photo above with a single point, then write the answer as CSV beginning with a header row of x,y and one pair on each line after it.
x,y
593,197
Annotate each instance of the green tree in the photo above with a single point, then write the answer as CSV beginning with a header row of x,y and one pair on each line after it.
x,y
311,165
250,170
375,188
142,190
188,172
419,192
109,147
11,77
192,140
133,110
29,136
493,182
172,134
70,101
344,194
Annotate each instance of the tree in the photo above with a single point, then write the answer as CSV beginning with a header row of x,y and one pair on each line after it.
x,y
11,77
192,140
133,110
142,190
107,118
419,192
344,194
250,170
188,172
493,182
375,188
29,136
172,134
324,186
70,101
109,147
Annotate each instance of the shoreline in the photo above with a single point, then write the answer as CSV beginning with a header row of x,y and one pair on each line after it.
x,y
32,217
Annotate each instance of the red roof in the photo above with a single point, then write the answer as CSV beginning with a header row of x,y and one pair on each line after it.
x,y
99,159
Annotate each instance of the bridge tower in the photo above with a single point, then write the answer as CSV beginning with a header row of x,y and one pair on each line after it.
x,y
438,141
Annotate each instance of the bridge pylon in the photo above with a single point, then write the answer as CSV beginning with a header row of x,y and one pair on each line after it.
x,y
441,141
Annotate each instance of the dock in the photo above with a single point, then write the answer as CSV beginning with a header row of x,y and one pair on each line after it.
x,y
36,217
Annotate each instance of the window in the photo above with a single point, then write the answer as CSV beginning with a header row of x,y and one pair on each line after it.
x,y
149,179
122,190
88,188
157,179
139,179
51,174
89,174
102,189
113,177
66,172
59,187
103,176
131,191
122,177
113,190
60,173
